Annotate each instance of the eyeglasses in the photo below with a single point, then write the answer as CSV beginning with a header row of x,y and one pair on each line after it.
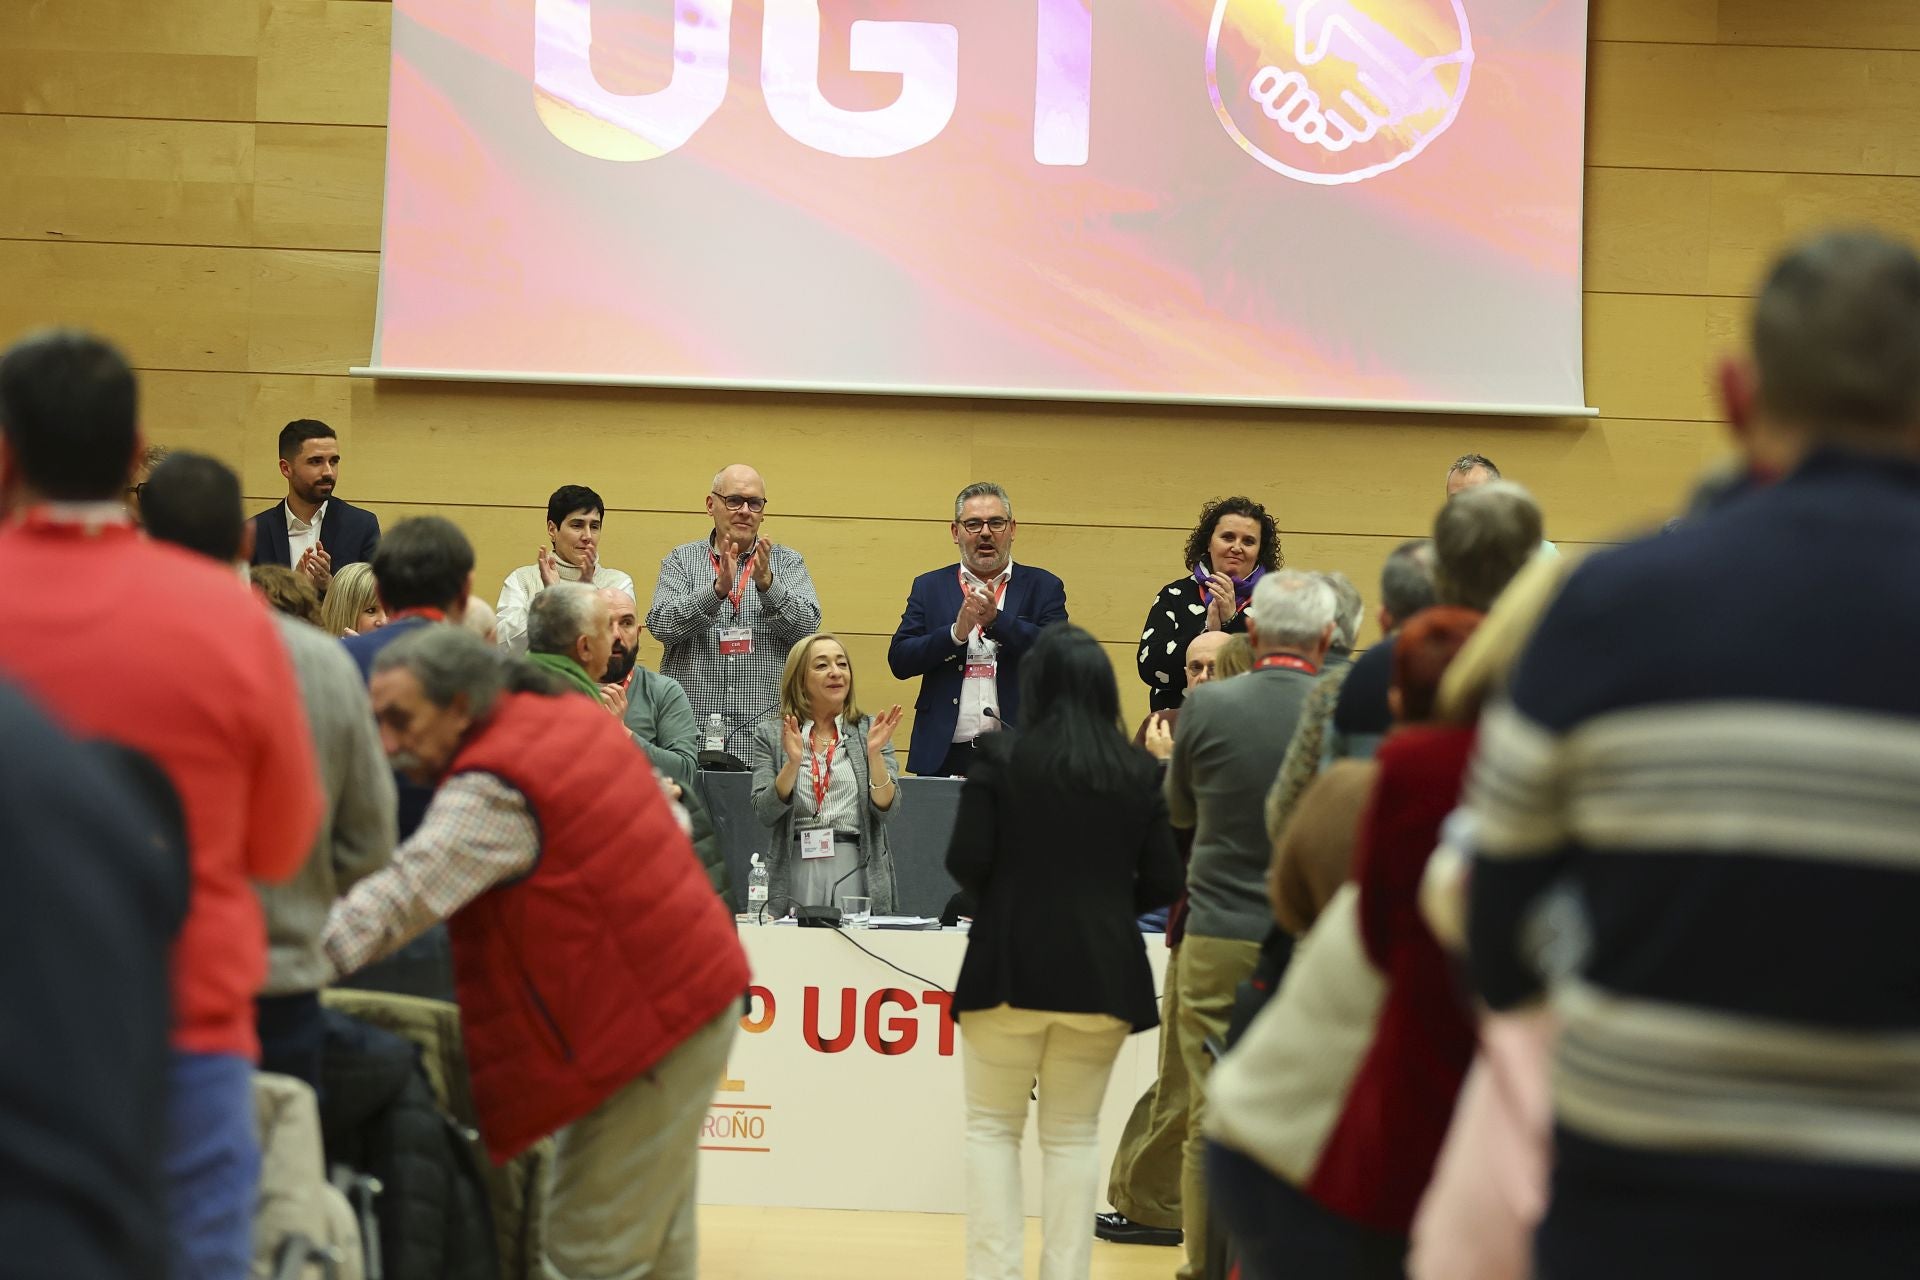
x,y
999,524
134,491
736,501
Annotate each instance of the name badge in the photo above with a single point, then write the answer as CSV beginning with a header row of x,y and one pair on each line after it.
x,y
982,668
816,842
736,641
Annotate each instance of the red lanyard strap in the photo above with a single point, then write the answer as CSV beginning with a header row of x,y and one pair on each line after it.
x,y
1000,596
1287,662
822,782
739,574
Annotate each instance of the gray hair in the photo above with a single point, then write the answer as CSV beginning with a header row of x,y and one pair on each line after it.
x,y
1292,609
1836,335
449,661
1406,580
1473,462
981,489
1350,606
1482,537
559,616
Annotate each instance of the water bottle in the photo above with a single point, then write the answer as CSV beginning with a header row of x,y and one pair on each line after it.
x,y
757,890
716,733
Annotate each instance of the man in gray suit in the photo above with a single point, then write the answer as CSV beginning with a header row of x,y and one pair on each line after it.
x,y
1233,737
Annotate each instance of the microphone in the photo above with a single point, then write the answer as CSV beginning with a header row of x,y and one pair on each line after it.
x,y
723,760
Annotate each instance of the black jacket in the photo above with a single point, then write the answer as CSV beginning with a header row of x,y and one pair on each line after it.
x,y
349,533
1061,876
378,1115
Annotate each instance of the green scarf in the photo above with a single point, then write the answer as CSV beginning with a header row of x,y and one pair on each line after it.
x,y
567,669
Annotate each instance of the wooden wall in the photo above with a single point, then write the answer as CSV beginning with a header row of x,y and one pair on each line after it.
x,y
201,181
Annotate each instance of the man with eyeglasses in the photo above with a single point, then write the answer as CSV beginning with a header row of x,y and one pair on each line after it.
x,y
964,631
729,606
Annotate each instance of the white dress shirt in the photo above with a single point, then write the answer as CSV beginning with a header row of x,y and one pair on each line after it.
x,y
980,695
302,536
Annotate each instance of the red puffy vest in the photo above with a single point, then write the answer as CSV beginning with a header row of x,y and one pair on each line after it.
x,y
584,973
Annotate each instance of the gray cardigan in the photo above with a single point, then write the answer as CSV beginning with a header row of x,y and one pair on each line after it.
x,y
768,756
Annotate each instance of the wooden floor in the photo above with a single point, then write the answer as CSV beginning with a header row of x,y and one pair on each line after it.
x,y
835,1244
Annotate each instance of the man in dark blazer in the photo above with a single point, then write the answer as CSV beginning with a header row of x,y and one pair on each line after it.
x,y
964,631
310,530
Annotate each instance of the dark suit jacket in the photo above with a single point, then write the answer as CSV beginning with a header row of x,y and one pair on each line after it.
x,y
923,646
349,534
1060,875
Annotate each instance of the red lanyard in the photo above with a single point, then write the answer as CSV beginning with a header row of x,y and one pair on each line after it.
x,y
1287,662
428,615
1000,597
822,783
740,572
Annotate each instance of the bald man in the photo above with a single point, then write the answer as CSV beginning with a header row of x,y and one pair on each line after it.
x,y
729,606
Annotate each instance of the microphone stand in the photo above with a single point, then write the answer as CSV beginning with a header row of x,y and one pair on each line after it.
x,y
723,760
828,917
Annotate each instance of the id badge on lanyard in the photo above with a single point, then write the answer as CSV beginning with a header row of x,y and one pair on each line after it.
x,y
736,642
816,838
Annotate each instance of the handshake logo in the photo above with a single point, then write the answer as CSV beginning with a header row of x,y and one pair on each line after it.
x,y
1337,91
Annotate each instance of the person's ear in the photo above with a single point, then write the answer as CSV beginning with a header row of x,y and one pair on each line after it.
x,y
1385,620
954,529
1395,703
286,469
1739,387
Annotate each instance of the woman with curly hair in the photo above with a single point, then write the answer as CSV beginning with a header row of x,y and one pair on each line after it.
x,y
1235,543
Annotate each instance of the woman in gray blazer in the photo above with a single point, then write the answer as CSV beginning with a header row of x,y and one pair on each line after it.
x,y
826,782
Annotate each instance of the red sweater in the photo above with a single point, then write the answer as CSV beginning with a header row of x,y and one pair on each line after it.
x,y
168,653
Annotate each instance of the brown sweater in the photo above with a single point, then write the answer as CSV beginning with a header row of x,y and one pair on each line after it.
x,y
1314,855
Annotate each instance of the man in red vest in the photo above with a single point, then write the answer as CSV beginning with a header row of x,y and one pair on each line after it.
x,y
599,976
207,695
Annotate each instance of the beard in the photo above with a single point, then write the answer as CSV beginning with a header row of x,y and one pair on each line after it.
x,y
619,665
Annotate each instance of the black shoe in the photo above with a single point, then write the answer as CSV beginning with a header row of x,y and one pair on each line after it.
x,y
1118,1228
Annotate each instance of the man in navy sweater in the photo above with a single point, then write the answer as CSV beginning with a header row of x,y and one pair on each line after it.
x,y
1701,836
964,631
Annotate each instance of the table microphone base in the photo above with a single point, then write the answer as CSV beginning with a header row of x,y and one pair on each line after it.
x,y
817,917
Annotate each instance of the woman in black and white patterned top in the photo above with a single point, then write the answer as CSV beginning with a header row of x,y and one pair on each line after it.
x,y
1235,543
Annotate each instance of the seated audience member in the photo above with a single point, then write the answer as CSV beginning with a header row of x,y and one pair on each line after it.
x,y
150,457
728,607
964,631
352,606
572,554
1062,835
194,502
825,781
482,620
1481,538
1231,742
1235,543
1325,1120
546,874
206,695
93,888
1470,471
310,531
285,592
1143,1185
570,633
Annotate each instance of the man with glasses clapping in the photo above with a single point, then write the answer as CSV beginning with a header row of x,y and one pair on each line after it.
x,y
964,631
729,606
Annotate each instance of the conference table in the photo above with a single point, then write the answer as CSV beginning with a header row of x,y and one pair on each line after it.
x,y
917,834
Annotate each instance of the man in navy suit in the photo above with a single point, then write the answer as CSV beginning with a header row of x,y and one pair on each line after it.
x,y
964,631
310,530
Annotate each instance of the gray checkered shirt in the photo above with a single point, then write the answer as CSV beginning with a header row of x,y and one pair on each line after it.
x,y
686,617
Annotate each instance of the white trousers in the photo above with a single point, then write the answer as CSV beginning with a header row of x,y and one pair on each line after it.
x,y
1004,1052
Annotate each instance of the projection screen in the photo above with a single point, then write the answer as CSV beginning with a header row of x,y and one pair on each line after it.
x,y
1360,203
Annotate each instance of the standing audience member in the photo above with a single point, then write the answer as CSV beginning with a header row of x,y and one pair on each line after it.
x,y
1230,744
310,531
570,634
1143,1184
1470,471
193,502
1326,1118
575,514
1480,540
93,888
658,713
285,591
729,606
600,979
481,620
1360,717
207,695
826,781
352,606
1063,838
1664,804
965,630
1235,543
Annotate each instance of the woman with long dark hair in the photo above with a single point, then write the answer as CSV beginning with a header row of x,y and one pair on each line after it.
x,y
1062,837
1232,547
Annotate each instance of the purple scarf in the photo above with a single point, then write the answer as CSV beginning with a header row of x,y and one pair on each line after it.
x,y
1242,587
